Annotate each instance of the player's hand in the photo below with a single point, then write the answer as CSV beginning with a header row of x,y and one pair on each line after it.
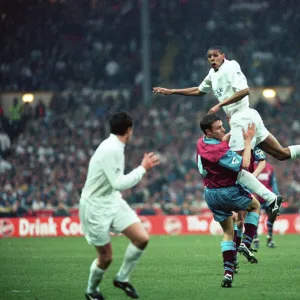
x,y
250,133
214,109
150,160
161,90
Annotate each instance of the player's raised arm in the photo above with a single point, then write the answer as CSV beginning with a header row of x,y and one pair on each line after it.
x,y
192,91
248,135
112,166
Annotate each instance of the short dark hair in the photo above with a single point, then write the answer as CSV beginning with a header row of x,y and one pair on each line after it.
x,y
207,121
216,47
120,122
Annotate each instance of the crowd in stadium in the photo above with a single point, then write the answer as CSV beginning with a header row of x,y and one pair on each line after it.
x,y
79,54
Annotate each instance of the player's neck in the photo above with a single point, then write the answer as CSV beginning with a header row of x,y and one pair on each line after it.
x,y
122,138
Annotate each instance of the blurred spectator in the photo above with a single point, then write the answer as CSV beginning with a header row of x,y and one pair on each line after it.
x,y
40,110
15,118
61,211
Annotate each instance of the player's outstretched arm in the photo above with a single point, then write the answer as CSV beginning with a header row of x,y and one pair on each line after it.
x,y
193,91
238,96
260,167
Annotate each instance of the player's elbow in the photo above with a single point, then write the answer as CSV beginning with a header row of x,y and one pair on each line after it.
x,y
246,92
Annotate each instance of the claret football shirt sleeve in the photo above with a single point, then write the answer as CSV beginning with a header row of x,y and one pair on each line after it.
x,y
236,77
113,166
231,160
205,85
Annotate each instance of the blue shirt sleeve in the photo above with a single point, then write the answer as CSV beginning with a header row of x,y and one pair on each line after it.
x,y
259,154
274,184
231,160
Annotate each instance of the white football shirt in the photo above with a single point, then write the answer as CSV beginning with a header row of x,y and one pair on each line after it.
x,y
105,177
228,80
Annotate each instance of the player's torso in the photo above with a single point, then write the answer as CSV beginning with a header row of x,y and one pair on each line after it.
x,y
97,184
216,176
223,89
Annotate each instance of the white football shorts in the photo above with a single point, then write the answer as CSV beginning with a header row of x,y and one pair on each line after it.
x,y
97,223
240,120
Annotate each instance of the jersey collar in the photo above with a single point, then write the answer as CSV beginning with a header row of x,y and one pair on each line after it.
x,y
210,141
115,138
222,66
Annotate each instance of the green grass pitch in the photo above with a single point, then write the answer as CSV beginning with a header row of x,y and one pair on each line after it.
x,y
173,267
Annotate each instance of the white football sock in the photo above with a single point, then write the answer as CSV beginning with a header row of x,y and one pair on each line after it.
x,y
96,275
251,182
132,255
295,151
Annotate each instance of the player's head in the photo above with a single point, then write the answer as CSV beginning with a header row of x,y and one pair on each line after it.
x,y
215,56
121,124
212,127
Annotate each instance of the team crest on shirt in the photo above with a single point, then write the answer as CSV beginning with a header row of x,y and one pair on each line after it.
x,y
219,92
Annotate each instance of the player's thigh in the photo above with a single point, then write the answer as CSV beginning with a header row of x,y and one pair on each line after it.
x,y
95,224
127,222
237,125
217,202
271,146
261,131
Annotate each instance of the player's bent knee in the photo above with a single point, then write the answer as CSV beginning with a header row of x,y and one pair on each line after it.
x,y
283,154
106,258
141,242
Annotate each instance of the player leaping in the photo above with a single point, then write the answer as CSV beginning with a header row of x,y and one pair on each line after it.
x,y
229,85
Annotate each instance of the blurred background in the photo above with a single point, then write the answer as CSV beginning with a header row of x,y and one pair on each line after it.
x,y
66,65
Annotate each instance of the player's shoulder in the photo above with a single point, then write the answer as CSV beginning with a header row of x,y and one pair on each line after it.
x,y
108,147
233,64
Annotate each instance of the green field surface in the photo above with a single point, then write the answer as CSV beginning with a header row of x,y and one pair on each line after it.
x,y
173,267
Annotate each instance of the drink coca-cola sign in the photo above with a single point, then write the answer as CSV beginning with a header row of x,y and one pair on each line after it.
x,y
155,225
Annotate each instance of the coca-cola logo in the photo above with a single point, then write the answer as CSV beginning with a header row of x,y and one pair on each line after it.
x,y
172,225
146,223
297,224
7,228
215,227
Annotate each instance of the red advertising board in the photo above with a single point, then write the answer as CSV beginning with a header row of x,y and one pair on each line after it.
x,y
155,225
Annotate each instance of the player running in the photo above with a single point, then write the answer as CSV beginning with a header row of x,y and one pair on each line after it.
x,y
103,209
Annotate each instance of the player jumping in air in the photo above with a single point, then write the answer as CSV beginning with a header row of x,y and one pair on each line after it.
x,y
230,87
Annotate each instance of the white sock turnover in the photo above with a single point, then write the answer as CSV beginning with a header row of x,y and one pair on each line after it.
x,y
96,275
295,151
132,255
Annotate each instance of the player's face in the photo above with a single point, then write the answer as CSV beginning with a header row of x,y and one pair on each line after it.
x,y
215,58
217,131
129,134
